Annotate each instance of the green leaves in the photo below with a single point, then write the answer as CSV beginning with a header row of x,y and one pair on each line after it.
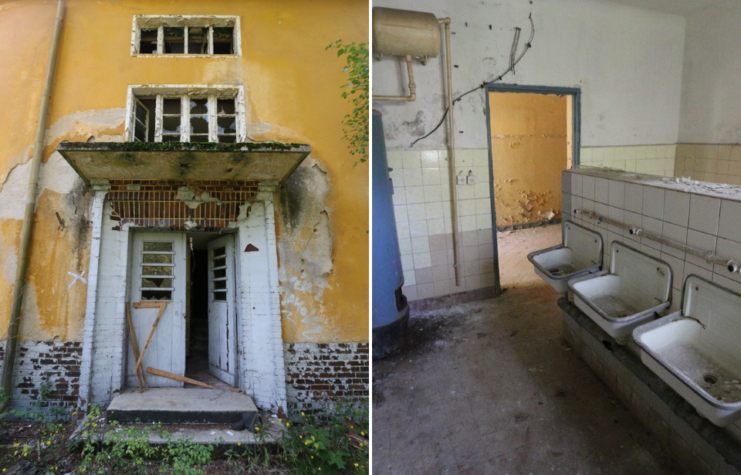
x,y
357,89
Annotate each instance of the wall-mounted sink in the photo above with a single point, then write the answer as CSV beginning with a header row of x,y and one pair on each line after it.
x,y
580,254
633,291
697,351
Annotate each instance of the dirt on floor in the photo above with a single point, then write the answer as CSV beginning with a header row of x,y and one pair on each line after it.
x,y
490,387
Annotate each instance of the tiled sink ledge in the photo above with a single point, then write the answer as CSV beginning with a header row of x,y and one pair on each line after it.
x,y
691,439
716,190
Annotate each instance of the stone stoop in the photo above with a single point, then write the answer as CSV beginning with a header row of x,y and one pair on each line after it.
x,y
179,405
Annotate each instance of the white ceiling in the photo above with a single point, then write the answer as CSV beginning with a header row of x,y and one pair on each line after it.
x,y
680,7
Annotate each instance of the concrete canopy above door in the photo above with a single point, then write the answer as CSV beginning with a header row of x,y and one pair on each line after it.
x,y
107,161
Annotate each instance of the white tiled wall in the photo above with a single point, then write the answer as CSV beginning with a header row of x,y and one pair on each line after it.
x,y
651,159
423,208
709,162
704,222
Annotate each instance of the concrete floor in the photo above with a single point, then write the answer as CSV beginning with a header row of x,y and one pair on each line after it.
x,y
490,387
514,246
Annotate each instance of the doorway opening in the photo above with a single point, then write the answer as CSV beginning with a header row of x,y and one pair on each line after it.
x,y
533,136
182,308
211,323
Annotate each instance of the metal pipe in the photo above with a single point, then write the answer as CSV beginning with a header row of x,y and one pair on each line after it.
x,y
709,256
451,153
412,87
26,232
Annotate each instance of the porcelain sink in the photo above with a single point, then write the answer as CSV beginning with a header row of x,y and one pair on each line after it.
x,y
633,291
697,352
580,254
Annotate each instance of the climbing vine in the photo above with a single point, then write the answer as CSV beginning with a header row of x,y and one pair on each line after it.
x,y
356,89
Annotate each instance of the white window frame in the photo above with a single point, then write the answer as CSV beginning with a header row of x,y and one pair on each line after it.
x,y
185,92
159,22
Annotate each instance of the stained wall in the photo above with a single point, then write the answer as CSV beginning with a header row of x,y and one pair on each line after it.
x,y
528,150
287,99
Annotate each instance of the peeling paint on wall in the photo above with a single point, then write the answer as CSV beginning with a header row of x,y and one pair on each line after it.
x,y
305,250
529,149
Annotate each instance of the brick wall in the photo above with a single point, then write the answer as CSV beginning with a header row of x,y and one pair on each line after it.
x,y
40,361
318,373
210,204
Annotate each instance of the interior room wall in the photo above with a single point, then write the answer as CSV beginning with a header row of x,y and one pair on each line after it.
x,y
626,61
710,124
528,150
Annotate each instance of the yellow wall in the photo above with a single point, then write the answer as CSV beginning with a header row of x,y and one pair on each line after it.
x,y
529,151
290,81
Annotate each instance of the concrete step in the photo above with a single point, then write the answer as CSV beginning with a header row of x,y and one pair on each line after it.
x,y
181,405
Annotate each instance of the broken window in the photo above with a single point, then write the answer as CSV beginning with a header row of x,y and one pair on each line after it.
x,y
208,35
157,267
173,117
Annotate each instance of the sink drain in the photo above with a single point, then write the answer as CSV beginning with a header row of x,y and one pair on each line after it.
x,y
710,378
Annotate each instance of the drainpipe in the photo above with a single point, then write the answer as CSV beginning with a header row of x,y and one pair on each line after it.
x,y
451,154
21,271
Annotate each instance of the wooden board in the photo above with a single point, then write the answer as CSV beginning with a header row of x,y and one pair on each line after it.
x,y
161,305
159,372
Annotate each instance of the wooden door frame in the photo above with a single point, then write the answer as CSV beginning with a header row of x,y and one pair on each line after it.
x,y
575,93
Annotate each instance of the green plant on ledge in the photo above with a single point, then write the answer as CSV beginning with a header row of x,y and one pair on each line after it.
x,y
357,89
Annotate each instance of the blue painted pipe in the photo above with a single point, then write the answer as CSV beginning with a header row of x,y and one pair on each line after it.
x,y
390,308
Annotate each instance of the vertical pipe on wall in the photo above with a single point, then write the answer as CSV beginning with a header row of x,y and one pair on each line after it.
x,y
27,230
451,153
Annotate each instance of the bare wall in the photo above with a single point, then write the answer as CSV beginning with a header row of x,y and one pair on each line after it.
x,y
627,62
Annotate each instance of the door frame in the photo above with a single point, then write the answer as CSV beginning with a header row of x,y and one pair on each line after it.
x,y
261,367
575,93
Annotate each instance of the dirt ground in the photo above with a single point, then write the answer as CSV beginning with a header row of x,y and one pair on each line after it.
x,y
45,458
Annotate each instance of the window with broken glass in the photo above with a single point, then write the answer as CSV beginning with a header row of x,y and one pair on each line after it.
x,y
184,118
214,35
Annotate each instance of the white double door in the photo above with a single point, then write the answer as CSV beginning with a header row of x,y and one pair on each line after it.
x,y
158,275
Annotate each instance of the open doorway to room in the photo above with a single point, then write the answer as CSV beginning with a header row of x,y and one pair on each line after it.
x,y
182,292
533,136
211,320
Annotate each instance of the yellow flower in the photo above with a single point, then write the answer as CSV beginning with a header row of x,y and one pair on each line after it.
x,y
356,464
48,442
301,437
239,443
280,420
16,444
361,444
16,453
288,424
362,433
320,469
302,413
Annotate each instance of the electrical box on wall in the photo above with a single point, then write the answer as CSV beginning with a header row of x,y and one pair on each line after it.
x,y
471,178
461,178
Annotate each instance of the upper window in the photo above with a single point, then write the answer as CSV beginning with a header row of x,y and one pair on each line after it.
x,y
185,35
185,114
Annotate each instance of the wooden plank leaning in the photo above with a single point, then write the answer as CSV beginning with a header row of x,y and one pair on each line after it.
x,y
159,372
135,346
161,305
